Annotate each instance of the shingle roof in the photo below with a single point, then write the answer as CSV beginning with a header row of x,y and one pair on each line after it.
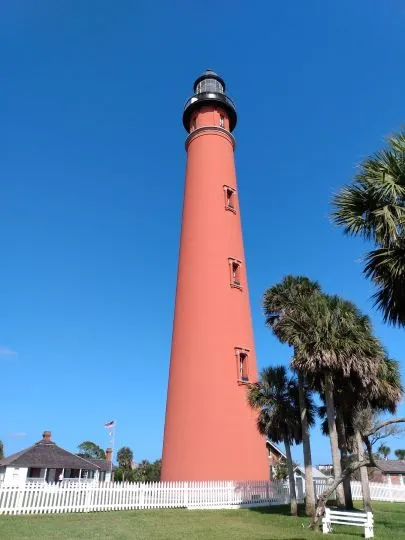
x,y
391,466
46,454
316,473
276,448
103,464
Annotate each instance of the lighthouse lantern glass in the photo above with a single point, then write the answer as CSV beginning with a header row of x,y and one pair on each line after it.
x,y
209,85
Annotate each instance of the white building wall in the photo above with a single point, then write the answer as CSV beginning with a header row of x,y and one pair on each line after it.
x,y
15,476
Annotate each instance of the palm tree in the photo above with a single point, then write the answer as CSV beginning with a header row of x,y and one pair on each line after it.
x,y
278,300
125,457
343,407
400,454
373,207
331,338
383,394
384,451
276,397
356,403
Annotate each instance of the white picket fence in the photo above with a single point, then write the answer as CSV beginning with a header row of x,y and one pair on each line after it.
x,y
53,498
40,498
379,491
319,486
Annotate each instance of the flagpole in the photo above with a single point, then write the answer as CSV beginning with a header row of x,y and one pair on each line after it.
x,y
112,446
111,432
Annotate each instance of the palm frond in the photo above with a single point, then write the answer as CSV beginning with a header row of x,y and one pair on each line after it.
x,y
275,396
386,267
373,207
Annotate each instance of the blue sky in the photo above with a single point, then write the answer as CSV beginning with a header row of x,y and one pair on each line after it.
x,y
92,171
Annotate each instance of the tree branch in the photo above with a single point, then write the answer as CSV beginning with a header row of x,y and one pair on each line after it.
x,y
388,431
380,425
350,469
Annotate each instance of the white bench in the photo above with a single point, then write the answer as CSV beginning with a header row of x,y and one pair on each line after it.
x,y
358,519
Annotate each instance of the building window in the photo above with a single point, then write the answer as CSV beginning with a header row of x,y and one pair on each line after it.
x,y
193,124
34,472
242,360
221,120
230,196
235,271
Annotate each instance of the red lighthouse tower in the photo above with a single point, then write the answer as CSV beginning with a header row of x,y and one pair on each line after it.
x,y
210,431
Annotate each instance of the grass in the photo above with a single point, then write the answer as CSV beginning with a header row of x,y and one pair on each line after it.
x,y
253,524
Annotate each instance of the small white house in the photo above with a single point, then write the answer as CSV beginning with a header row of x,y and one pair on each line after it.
x,y
46,462
316,473
277,457
299,473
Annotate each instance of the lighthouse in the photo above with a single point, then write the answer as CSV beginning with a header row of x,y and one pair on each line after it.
x,y
210,430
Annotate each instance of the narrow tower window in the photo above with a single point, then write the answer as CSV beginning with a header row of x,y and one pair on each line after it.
x,y
242,359
221,120
229,199
193,124
235,270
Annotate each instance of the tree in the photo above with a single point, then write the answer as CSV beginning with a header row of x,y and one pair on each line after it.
x,y
144,472
275,396
125,458
280,470
334,339
384,451
330,337
383,394
353,466
373,207
1,450
279,300
148,472
343,428
400,454
155,471
90,450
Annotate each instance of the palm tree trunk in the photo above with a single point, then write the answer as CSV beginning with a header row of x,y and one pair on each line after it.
x,y
309,480
293,496
341,431
330,410
365,487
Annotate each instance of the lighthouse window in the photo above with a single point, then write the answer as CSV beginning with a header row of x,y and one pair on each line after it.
x,y
221,120
229,198
243,373
242,357
235,269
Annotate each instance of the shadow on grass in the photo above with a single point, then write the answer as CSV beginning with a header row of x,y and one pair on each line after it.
x,y
284,510
279,510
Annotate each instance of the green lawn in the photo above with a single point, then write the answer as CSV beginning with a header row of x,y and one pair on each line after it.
x,y
247,524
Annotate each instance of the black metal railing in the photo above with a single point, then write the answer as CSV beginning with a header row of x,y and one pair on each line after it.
x,y
207,96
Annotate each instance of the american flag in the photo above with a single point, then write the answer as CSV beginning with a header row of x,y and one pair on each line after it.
x,y
109,425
